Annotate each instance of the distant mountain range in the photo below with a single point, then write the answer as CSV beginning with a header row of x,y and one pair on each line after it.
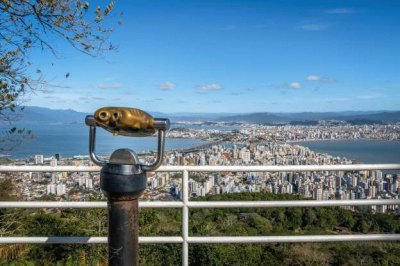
x,y
350,116
33,114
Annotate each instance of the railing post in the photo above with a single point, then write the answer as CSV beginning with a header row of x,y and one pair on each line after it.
x,y
185,218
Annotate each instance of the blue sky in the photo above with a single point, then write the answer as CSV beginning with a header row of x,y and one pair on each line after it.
x,y
236,56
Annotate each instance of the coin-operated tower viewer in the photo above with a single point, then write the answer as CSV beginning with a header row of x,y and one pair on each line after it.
x,y
123,178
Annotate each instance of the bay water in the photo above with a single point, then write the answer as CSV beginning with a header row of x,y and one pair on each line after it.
x,y
73,139
362,151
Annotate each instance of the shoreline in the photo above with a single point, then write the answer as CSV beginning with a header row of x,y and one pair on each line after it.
x,y
326,150
333,140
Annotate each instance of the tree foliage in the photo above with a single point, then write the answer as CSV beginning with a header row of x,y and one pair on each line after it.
x,y
28,24
205,222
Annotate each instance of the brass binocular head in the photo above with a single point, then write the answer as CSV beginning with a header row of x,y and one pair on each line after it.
x,y
129,122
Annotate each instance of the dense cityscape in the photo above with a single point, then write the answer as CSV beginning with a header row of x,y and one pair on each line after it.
x,y
326,130
251,145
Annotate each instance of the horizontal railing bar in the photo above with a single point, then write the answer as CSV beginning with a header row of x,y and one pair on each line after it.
x,y
84,240
255,168
289,203
84,204
206,239
160,239
280,168
40,168
53,240
160,204
53,204
292,239
202,204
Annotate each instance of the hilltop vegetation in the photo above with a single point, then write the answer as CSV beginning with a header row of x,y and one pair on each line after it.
x,y
206,222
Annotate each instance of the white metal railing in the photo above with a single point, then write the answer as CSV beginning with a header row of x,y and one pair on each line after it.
x,y
185,204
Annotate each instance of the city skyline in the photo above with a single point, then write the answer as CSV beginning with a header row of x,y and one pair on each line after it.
x,y
318,185
235,57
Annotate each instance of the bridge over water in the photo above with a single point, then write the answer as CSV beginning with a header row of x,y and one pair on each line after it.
x,y
200,147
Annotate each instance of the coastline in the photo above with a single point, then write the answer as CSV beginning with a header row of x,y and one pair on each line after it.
x,y
333,140
360,151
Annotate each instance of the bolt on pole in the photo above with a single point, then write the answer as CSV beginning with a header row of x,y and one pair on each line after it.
x,y
123,178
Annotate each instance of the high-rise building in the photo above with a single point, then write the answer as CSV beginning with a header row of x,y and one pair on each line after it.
x,y
317,193
245,155
378,174
39,159
354,181
51,189
88,183
154,183
202,192
61,189
81,181
53,162
193,186
325,194
202,159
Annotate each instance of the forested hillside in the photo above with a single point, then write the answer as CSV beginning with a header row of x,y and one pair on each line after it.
x,y
204,222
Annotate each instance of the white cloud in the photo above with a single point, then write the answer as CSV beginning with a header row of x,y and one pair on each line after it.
x,y
314,26
339,11
295,85
313,78
369,96
106,86
166,86
210,87
320,79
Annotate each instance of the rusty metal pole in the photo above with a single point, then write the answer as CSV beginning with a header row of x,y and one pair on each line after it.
x,y
123,181
123,178
123,234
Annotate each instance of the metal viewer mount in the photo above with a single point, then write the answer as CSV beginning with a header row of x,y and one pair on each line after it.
x,y
123,177
128,122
